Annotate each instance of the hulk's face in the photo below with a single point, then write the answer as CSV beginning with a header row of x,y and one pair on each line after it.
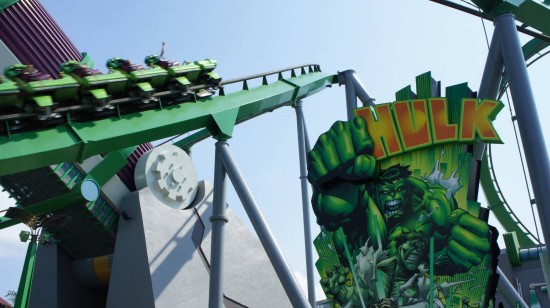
x,y
410,253
392,198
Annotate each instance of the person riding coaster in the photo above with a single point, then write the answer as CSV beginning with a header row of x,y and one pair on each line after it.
x,y
78,68
124,65
142,80
27,73
154,61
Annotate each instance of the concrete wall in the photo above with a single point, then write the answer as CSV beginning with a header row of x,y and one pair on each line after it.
x,y
530,272
6,57
54,285
162,258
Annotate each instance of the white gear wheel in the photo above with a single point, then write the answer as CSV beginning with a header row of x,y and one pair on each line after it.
x,y
170,175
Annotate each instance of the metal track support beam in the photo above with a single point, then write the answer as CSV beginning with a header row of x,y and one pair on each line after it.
x,y
225,165
302,135
527,117
354,90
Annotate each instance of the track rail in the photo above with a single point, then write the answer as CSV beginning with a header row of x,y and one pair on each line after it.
x,y
500,207
189,141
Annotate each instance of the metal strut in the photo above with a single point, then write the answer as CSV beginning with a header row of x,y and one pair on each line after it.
x,y
225,165
302,148
527,117
354,90
505,52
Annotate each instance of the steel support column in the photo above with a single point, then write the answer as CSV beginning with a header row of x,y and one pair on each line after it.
x,y
490,82
346,78
505,52
361,92
527,117
305,202
218,220
306,135
492,73
354,90
262,230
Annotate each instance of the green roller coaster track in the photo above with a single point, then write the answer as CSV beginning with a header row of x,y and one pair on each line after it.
x,y
76,141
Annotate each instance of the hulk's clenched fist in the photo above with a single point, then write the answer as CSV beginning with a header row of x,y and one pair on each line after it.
x,y
340,158
468,241
343,152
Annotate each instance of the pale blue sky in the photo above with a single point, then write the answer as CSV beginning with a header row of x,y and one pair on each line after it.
x,y
387,43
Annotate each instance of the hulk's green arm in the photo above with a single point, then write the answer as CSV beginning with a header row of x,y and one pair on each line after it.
x,y
432,198
335,206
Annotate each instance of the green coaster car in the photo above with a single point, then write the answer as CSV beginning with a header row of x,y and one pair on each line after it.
x,y
208,76
95,87
40,92
180,75
9,95
185,75
26,92
141,81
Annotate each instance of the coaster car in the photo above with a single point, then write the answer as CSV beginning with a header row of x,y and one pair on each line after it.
x,y
141,81
183,76
95,87
39,92
28,93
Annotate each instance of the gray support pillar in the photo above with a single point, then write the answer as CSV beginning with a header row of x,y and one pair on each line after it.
x,y
490,82
492,73
354,90
258,222
306,135
218,220
346,78
45,279
528,122
305,203
362,94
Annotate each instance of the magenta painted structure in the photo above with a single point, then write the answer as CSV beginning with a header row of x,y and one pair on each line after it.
x,y
34,37
4,303
126,174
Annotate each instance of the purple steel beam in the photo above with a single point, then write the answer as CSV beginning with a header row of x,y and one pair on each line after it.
x,y
34,37
126,174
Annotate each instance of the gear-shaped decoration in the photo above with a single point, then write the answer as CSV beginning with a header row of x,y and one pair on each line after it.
x,y
170,175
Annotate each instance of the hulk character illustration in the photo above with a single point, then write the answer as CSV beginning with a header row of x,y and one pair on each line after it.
x,y
354,196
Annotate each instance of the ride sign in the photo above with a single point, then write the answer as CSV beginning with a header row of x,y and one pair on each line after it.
x,y
390,193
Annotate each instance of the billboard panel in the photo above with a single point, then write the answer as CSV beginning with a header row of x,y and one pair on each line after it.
x,y
391,195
